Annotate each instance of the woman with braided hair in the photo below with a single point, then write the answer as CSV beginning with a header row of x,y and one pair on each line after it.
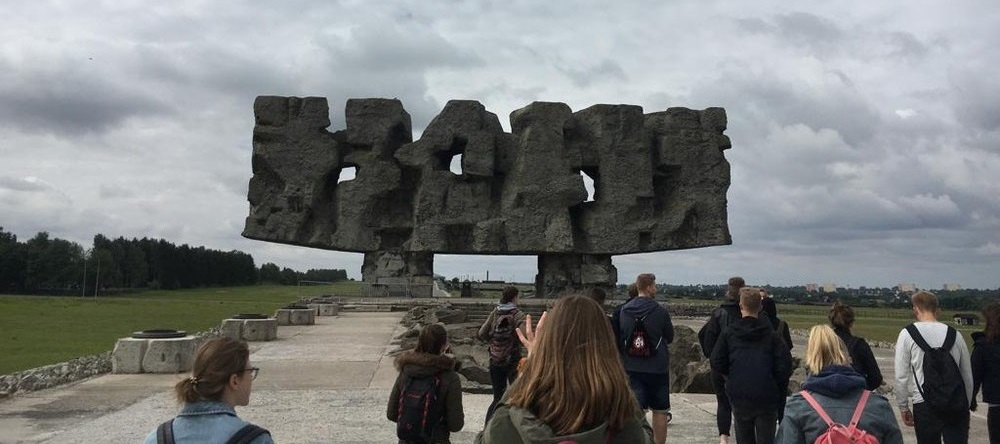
x,y
221,379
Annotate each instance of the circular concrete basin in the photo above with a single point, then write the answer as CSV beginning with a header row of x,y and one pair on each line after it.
x,y
160,333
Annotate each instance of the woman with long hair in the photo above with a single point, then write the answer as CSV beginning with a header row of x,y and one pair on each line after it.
x,y
428,364
838,390
221,379
986,368
572,385
862,359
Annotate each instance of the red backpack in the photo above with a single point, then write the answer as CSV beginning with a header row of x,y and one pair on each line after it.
x,y
839,433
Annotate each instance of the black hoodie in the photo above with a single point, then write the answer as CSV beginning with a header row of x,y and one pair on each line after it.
x,y
756,364
414,364
986,368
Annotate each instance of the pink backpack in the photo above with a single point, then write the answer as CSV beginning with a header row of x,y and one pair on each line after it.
x,y
839,433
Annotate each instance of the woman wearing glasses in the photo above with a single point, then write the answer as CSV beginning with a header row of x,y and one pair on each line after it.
x,y
221,379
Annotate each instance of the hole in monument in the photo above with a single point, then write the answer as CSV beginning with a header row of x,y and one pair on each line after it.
x,y
590,178
456,164
347,174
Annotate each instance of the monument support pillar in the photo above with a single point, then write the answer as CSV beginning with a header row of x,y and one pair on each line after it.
x,y
560,273
396,273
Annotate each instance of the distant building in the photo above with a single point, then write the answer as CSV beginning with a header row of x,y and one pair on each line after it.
x,y
907,287
812,288
829,287
966,319
952,287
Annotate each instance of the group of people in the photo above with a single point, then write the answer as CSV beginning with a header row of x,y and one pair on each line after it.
x,y
582,376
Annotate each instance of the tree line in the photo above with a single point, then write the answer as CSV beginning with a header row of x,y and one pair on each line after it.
x,y
45,265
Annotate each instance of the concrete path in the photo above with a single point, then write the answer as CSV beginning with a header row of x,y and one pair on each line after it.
x,y
326,383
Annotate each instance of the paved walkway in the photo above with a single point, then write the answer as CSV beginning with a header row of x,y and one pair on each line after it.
x,y
318,384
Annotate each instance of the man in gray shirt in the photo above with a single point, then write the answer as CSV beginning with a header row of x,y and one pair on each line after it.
x,y
929,425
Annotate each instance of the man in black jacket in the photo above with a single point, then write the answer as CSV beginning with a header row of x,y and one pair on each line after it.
x,y
756,365
725,314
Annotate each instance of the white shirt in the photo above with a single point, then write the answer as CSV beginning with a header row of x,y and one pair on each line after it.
x,y
910,360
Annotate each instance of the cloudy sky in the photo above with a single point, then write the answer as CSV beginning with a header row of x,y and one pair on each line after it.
x,y
866,136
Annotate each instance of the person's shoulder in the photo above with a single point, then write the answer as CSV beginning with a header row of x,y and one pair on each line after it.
x,y
151,437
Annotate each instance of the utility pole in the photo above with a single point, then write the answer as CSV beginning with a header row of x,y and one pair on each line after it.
x,y
97,280
83,287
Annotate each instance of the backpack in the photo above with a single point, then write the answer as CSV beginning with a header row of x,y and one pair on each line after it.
x,y
419,410
723,319
946,394
639,344
839,433
249,432
503,340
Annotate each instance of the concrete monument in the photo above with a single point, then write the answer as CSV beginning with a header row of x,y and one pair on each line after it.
x,y
660,184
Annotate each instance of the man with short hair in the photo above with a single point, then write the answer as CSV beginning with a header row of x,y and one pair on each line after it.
x,y
649,376
930,424
756,365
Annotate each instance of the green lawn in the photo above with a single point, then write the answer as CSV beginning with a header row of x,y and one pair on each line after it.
x,y
880,324
40,330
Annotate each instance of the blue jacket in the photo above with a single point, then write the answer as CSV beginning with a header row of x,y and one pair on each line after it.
x,y
207,422
838,389
659,327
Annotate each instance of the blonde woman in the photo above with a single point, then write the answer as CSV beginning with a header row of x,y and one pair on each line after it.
x,y
838,389
571,386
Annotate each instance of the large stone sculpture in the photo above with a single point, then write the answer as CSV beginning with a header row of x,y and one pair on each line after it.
x,y
660,183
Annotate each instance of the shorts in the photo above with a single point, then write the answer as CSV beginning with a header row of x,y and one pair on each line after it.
x,y
652,390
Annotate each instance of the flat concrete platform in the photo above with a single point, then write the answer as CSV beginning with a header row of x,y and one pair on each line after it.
x,y
323,383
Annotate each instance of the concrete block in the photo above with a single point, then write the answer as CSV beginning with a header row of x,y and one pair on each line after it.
x,y
282,315
232,328
127,356
173,355
325,309
302,317
260,329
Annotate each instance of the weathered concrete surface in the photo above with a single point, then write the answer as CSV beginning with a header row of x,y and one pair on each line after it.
x,y
310,389
660,184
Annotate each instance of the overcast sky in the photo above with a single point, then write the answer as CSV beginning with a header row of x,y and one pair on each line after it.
x,y
866,135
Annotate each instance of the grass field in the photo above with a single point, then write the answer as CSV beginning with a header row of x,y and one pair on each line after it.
x,y
40,330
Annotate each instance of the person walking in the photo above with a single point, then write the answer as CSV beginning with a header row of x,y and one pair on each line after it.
x,y
933,368
428,376
572,388
722,316
986,368
862,358
500,331
221,379
839,391
756,365
646,331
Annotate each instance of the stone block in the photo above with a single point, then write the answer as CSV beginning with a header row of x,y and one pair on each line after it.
x,y
325,309
173,355
295,316
127,356
232,328
260,329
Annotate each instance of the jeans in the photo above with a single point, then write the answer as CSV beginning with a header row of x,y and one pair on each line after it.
x,y
723,409
500,377
758,429
930,426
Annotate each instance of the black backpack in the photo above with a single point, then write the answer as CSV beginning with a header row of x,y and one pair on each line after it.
x,y
165,433
639,343
723,319
420,409
943,388
503,339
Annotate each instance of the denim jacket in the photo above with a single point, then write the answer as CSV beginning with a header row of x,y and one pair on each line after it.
x,y
207,422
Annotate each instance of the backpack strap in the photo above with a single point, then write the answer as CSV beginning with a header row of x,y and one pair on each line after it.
x,y
860,409
949,339
248,433
919,339
815,405
165,433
